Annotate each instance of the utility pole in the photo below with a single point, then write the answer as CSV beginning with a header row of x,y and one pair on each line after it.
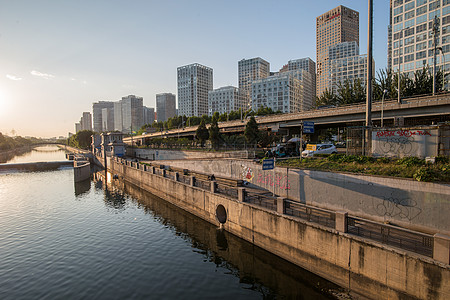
x,y
369,79
435,34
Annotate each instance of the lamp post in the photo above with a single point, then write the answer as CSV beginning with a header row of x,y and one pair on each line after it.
x,y
435,33
382,106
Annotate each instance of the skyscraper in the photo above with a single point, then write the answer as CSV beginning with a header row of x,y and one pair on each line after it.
x,y
86,121
97,114
410,34
108,119
149,115
194,83
165,106
338,25
132,113
308,82
250,70
225,100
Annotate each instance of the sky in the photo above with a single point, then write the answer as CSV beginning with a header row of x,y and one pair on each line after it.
x,y
57,57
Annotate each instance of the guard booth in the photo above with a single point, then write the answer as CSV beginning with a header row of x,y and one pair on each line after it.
x,y
112,144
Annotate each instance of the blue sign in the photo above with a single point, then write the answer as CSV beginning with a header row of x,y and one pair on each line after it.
x,y
268,164
308,127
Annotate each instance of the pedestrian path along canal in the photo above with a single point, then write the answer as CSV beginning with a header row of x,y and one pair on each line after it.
x,y
110,240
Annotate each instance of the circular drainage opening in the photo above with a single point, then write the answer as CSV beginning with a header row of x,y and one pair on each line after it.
x,y
221,214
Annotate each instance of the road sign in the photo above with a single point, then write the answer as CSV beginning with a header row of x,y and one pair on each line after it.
x,y
268,164
308,127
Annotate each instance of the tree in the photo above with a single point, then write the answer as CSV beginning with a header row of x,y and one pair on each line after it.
x,y
214,134
202,133
328,98
251,131
81,140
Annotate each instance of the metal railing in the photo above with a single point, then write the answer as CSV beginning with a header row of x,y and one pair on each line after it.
x,y
206,185
261,200
184,179
309,213
227,190
387,234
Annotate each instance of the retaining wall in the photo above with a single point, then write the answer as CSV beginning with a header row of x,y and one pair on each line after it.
x,y
366,267
416,205
161,154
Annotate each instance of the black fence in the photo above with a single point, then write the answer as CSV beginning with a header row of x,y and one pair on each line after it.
x,y
387,234
184,179
312,214
261,200
206,185
227,190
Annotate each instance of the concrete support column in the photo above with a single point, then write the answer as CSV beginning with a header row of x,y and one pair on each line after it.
x,y
145,168
213,186
341,221
241,194
192,180
177,176
280,205
441,251
153,170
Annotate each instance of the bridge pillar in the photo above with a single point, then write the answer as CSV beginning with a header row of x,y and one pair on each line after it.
x,y
341,221
241,194
280,205
441,251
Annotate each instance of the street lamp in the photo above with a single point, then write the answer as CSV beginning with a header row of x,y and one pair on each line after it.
x,y
382,106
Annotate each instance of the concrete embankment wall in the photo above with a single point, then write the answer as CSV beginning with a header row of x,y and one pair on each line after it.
x,y
36,166
160,154
366,267
81,170
408,203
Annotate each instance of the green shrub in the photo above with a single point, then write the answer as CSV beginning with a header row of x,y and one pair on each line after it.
x,y
442,160
425,174
411,161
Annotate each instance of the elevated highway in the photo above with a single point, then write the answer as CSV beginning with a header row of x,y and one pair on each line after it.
x,y
423,110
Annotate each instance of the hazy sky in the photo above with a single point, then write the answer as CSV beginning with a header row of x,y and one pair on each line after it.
x,y
59,56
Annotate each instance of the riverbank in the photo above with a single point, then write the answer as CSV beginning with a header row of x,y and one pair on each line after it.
x,y
6,155
363,266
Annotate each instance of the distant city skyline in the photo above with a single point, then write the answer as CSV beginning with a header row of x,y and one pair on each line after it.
x,y
58,58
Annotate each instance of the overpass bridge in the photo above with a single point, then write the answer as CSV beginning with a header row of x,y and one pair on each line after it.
x,y
424,110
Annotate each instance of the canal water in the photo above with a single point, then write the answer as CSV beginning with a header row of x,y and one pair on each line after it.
x,y
103,239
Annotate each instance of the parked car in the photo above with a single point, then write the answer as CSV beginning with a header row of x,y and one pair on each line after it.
x,y
312,150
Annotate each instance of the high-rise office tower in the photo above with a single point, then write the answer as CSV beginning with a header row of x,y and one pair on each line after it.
x,y
347,64
118,124
165,106
225,100
97,113
149,115
410,34
338,25
132,113
281,92
108,119
250,70
86,121
308,82
194,83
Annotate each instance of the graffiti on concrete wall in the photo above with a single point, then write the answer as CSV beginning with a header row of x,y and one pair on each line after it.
x,y
278,181
399,142
393,207
247,173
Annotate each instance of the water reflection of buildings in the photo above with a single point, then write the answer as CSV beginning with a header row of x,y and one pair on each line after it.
x,y
258,269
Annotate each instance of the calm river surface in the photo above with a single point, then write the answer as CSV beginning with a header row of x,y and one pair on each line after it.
x,y
93,240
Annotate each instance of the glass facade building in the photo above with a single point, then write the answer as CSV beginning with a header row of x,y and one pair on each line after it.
x,y
410,34
194,82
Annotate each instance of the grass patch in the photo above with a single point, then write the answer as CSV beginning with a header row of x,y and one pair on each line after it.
x,y
408,167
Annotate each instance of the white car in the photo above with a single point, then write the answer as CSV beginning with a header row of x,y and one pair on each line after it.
x,y
319,149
